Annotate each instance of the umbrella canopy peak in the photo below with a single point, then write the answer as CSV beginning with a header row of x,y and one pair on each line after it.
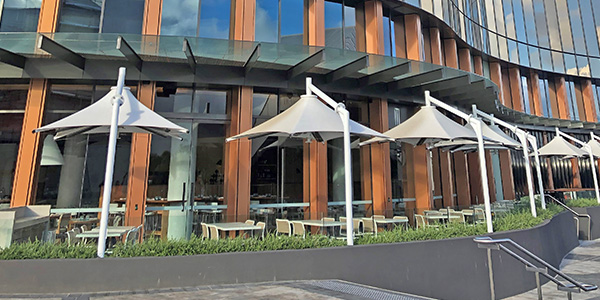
x,y
558,146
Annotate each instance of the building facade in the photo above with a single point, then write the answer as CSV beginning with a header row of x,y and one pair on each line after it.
x,y
218,68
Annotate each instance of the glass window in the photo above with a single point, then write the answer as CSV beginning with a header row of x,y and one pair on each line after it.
x,y
71,171
597,99
292,22
202,18
266,26
350,28
583,66
519,21
545,98
572,100
540,24
214,19
570,64
564,25
388,38
333,24
534,57
587,18
595,67
529,17
179,17
513,52
12,111
490,15
576,27
500,29
553,29
20,15
525,94
104,16
558,62
546,60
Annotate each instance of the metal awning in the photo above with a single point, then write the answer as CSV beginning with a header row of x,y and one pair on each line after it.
x,y
86,56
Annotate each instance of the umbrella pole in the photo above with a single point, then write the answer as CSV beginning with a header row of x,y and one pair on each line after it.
x,y
110,162
476,124
523,138
345,116
538,169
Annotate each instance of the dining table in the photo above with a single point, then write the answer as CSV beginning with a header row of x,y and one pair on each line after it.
x,y
230,227
321,224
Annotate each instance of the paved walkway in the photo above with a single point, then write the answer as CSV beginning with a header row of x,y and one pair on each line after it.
x,y
582,264
291,290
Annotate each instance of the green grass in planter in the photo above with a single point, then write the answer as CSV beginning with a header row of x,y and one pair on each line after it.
x,y
582,202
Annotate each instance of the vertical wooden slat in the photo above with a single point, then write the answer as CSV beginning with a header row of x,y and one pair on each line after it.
x,y
48,19
534,94
451,53
25,179
478,65
414,37
508,185
515,89
562,100
464,60
139,160
152,17
587,93
437,56
496,77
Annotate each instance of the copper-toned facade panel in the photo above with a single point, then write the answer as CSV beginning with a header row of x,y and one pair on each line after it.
x,y
414,37
478,65
24,182
496,77
508,185
464,59
561,97
137,184
535,100
451,53
152,17
587,93
437,56
461,172
314,24
315,179
48,20
515,89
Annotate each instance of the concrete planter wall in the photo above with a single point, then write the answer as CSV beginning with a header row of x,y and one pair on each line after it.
x,y
448,269
594,213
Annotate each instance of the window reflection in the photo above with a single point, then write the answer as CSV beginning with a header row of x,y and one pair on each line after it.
x,y
545,98
108,16
576,27
587,19
12,105
572,100
20,15
202,18
525,94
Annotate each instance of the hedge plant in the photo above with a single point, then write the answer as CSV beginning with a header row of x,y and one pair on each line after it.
x,y
519,218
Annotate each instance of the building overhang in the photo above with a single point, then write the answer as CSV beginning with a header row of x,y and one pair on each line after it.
x,y
185,60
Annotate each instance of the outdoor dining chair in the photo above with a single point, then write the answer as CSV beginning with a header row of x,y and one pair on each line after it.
x,y
133,236
460,219
205,231
63,223
250,222
378,217
369,226
283,226
214,232
299,229
262,226
419,221
72,238
83,228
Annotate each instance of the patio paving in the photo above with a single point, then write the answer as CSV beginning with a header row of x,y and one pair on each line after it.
x,y
582,264
310,290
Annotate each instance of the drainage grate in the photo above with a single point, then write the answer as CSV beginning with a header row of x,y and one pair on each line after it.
x,y
362,291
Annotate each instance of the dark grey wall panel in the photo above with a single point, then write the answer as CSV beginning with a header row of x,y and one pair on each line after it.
x,y
448,269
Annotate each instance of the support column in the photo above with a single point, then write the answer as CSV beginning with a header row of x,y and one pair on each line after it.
x,y
437,180
314,153
436,46
139,160
152,17
587,93
447,175
478,65
475,181
423,179
69,186
238,154
506,87
381,173
490,172
314,23
414,37
315,179
48,20
515,89
463,188
374,27
496,77
451,53
24,182
464,59
535,100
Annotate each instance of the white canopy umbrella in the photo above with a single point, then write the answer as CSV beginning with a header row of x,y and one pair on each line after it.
x,y
311,119
127,116
558,146
496,139
595,147
429,126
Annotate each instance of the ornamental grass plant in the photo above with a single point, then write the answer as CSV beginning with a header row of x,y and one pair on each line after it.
x,y
519,218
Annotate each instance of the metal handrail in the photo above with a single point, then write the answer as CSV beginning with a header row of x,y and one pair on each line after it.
x,y
577,215
487,241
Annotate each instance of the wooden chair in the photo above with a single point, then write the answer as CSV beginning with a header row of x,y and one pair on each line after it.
x,y
283,226
299,229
